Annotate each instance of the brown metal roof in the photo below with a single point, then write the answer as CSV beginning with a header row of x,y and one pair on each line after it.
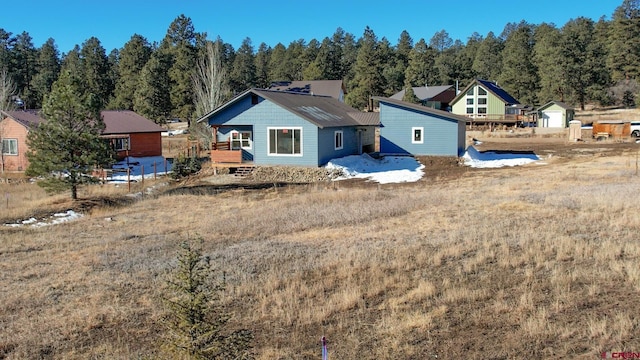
x,y
116,121
366,118
323,111
312,87
27,118
422,109
126,122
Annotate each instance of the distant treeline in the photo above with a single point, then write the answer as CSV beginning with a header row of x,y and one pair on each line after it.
x,y
584,61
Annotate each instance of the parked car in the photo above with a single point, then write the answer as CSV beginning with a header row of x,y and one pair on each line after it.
x,y
635,128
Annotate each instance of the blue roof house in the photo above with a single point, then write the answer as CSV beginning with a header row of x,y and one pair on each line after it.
x,y
407,128
264,127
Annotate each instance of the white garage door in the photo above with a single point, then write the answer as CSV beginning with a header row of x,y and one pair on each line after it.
x,y
552,119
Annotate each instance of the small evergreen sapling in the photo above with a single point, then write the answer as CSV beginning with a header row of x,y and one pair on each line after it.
x,y
196,319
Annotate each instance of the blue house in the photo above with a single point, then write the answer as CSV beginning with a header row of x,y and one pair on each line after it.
x,y
407,128
264,127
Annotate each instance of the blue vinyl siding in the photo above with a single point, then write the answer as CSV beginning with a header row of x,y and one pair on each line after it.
x,y
265,115
441,136
326,140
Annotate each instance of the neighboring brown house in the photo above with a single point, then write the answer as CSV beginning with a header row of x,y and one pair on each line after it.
x,y
130,134
436,97
333,88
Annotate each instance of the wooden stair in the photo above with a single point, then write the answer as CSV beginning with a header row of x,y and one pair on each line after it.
x,y
243,171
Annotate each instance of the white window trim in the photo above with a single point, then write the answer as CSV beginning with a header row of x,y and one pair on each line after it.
x,y
9,153
413,131
269,128
240,139
335,138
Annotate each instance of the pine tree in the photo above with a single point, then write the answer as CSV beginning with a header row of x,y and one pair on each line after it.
x,y
67,146
547,53
24,57
278,70
368,80
96,71
410,96
196,319
624,41
519,75
488,62
243,75
262,66
421,65
48,70
133,57
576,59
151,98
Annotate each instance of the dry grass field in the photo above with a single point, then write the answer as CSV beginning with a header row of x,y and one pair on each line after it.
x,y
540,261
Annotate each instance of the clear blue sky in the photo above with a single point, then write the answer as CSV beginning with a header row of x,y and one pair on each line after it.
x,y
113,22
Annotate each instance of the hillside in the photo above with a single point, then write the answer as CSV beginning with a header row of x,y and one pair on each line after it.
x,y
539,260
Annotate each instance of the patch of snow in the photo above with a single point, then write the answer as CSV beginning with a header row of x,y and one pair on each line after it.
x,y
136,165
388,169
490,159
57,218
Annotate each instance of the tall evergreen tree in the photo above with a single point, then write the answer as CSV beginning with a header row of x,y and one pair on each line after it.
x,y
133,57
151,98
262,66
403,49
278,70
577,58
243,75
368,80
421,64
441,41
519,75
410,95
180,45
624,41
24,56
95,69
67,145
547,57
488,62
48,69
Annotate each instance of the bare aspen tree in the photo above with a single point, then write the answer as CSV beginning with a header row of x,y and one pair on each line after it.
x,y
210,87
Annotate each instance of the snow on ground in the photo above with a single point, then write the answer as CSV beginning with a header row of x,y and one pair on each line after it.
x,y
136,166
388,169
54,219
398,169
490,159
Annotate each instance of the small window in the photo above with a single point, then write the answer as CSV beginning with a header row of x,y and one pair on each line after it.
x,y
121,144
338,140
417,135
482,101
469,101
482,110
481,91
470,92
9,146
469,110
240,140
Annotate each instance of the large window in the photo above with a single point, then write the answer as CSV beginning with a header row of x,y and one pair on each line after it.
x,y
9,146
285,141
417,134
240,140
338,140
481,91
